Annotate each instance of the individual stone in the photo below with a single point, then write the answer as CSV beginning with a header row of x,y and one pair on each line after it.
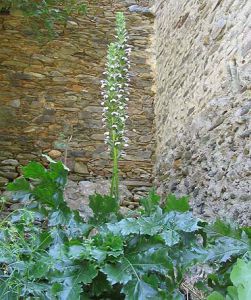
x,y
55,154
81,167
3,181
15,103
140,9
11,162
9,175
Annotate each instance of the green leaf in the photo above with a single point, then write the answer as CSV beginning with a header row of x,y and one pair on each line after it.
x,y
125,227
232,293
241,272
185,222
139,290
152,260
151,225
36,289
241,278
150,202
53,161
156,223
244,291
109,244
20,184
118,273
34,170
225,241
49,194
6,293
227,247
100,285
170,237
44,239
220,228
103,207
215,296
70,290
174,204
60,217
77,251
20,188
41,266
58,173
83,272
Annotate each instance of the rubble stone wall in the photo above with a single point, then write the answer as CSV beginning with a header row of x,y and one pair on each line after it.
x,y
203,104
50,92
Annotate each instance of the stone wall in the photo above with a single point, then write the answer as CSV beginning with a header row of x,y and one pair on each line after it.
x,y
203,54
51,91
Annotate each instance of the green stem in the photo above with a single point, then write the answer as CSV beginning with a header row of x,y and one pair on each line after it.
x,y
115,175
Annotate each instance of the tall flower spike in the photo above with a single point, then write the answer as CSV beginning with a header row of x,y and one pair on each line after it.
x,y
115,93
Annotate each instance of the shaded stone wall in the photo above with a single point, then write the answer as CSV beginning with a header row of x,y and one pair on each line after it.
x,y
203,54
50,92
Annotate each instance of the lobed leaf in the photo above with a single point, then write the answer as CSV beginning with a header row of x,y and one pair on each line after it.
x,y
174,204
103,208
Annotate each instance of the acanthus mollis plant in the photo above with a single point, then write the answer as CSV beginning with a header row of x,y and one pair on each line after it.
x,y
115,91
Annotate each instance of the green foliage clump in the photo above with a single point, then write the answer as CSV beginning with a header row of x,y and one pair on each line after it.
x,y
48,252
43,15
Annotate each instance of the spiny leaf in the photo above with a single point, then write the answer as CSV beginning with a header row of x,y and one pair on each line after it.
x,y
20,188
139,290
182,221
58,173
125,227
101,285
5,293
109,243
118,273
150,202
215,296
20,184
70,290
174,204
83,272
220,228
103,208
60,217
232,293
77,251
156,223
153,260
170,237
227,247
241,272
34,170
